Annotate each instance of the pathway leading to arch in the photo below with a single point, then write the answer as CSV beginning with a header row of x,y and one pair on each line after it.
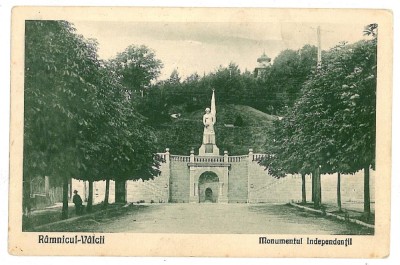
x,y
219,219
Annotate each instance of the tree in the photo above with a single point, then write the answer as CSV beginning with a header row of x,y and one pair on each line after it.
x,y
358,93
128,145
136,157
78,120
331,127
174,78
350,108
288,73
138,67
287,149
59,69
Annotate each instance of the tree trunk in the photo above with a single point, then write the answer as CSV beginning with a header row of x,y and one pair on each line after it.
x,y
339,196
107,193
120,191
64,213
90,198
320,187
317,188
26,199
70,188
303,188
313,186
85,191
367,199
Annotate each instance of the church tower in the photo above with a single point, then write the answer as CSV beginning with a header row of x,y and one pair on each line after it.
x,y
263,63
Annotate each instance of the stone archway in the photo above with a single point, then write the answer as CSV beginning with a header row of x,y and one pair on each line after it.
x,y
208,187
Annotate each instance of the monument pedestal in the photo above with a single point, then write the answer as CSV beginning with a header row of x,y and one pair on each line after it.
x,y
208,150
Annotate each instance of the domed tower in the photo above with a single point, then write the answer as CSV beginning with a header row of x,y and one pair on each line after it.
x,y
263,63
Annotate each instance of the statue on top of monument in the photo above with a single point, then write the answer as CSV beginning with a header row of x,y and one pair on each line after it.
x,y
209,119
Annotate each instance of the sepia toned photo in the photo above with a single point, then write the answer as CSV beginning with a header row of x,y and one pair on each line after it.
x,y
200,132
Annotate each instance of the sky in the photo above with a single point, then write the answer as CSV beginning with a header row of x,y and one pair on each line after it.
x,y
203,46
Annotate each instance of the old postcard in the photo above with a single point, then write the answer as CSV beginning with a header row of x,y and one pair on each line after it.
x,y
207,132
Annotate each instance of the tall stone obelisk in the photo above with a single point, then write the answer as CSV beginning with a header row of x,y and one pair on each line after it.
x,y
209,146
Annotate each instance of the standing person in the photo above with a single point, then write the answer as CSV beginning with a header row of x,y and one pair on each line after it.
x,y
77,200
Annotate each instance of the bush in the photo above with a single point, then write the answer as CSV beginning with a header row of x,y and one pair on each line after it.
x,y
238,121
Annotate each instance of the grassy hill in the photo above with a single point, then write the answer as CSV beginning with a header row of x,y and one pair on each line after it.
x,y
238,128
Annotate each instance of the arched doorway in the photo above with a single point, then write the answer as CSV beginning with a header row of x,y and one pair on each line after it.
x,y
208,187
208,195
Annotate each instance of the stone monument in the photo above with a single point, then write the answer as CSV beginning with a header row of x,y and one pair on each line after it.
x,y
209,146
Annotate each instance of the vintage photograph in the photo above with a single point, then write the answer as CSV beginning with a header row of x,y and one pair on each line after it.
x,y
152,121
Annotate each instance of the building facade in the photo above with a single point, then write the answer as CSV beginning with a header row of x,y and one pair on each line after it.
x,y
216,178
